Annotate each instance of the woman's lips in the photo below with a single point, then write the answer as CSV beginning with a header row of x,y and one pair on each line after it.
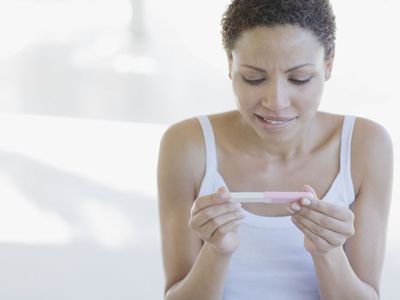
x,y
275,122
276,119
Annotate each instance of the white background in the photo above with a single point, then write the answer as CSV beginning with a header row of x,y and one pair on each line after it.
x,y
86,90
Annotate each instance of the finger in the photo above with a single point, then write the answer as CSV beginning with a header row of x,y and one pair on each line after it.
x,y
212,199
308,188
209,228
317,240
210,212
329,209
324,221
334,239
224,229
294,206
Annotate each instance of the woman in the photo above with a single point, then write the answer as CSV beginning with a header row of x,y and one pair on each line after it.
x,y
327,246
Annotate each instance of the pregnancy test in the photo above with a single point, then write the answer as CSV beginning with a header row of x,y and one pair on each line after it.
x,y
269,197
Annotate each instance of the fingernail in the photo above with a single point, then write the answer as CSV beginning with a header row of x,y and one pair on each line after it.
x,y
305,201
225,195
295,207
290,211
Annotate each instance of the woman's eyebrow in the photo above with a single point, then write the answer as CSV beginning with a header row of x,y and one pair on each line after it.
x,y
298,67
287,71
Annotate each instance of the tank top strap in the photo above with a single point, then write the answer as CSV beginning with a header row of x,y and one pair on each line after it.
x,y
209,140
345,154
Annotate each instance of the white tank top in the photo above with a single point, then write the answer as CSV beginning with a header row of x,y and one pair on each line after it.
x,y
271,262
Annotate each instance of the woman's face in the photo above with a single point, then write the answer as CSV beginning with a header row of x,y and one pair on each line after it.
x,y
278,76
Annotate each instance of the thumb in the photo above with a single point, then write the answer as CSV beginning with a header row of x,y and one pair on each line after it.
x,y
308,188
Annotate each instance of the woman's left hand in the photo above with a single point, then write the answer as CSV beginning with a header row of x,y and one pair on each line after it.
x,y
325,225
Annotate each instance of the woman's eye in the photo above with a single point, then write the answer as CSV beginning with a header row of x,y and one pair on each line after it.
x,y
259,81
253,82
300,82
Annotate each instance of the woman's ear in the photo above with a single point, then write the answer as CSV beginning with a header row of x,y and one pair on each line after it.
x,y
329,64
230,59
230,68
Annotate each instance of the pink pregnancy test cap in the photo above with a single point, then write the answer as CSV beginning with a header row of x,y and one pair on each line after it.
x,y
286,196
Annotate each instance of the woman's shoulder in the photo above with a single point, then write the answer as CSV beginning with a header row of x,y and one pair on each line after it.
x,y
188,132
371,145
185,131
364,125
372,150
365,130
371,141
183,144
185,137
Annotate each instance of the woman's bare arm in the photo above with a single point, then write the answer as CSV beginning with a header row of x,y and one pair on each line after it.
x,y
355,273
192,270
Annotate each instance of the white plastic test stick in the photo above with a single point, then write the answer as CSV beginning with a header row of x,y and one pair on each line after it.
x,y
268,197
249,197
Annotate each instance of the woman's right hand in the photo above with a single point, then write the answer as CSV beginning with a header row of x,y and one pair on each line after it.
x,y
215,220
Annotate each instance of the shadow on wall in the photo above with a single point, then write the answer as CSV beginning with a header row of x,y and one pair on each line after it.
x,y
95,261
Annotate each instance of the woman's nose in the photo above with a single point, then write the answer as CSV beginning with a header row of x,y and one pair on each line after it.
x,y
275,96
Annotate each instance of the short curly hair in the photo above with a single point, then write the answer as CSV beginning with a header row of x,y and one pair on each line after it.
x,y
314,15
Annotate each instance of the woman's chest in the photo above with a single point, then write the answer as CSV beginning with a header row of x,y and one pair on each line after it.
x,y
243,174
